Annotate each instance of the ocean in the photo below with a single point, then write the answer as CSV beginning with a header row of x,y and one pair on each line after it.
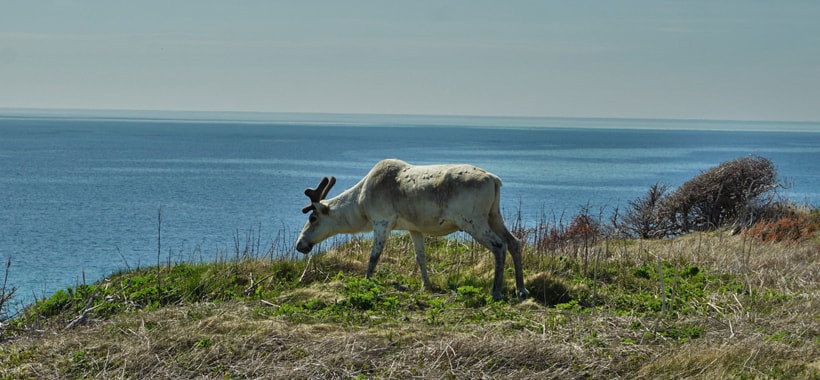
x,y
84,194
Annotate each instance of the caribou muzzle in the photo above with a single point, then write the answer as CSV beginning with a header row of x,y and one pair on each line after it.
x,y
303,246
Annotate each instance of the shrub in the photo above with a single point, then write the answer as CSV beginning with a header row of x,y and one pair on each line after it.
x,y
720,195
583,231
785,224
643,217
583,228
729,193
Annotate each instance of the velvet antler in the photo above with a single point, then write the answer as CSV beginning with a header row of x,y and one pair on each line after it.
x,y
319,193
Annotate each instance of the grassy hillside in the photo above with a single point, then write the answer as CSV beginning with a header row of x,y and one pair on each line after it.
x,y
705,305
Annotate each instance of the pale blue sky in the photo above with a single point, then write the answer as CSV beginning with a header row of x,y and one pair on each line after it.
x,y
709,59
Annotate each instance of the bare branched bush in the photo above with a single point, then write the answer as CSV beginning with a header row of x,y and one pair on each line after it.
x,y
643,217
575,240
734,192
720,195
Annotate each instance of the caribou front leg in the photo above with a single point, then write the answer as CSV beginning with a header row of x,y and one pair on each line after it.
x,y
381,229
418,244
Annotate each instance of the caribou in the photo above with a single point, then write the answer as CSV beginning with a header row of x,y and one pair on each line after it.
x,y
432,199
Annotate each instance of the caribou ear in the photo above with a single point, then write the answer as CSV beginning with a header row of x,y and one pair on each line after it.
x,y
323,209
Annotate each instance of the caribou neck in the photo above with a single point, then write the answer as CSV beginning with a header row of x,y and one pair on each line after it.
x,y
349,213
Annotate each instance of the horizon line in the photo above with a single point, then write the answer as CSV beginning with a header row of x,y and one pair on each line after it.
x,y
200,116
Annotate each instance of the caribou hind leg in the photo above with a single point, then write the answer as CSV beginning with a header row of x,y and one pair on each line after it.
x,y
485,236
498,239
514,246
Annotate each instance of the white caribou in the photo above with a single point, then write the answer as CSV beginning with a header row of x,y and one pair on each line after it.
x,y
434,199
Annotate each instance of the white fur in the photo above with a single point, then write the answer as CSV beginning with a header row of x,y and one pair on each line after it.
x,y
434,199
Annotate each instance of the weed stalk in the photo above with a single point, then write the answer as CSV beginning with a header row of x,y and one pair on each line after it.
x,y
159,247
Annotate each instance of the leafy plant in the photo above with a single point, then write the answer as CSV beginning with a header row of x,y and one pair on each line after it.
x,y
472,297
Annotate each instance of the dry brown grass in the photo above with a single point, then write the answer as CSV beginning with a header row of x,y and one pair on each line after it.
x,y
770,329
229,341
780,265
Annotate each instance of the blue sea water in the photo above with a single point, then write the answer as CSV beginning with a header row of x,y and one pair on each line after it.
x,y
80,193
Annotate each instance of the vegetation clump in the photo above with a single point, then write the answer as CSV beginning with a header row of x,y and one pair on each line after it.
x,y
786,223
736,191
720,195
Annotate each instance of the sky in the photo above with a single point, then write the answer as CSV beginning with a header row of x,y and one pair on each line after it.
x,y
698,59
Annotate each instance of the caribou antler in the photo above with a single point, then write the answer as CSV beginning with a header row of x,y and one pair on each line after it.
x,y
319,193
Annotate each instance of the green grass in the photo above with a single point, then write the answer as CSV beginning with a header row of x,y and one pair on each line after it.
x,y
704,305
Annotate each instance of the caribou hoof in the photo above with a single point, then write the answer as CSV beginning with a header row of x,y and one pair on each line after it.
x,y
523,294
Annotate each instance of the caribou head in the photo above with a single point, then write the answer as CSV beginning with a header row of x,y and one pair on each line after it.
x,y
305,242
